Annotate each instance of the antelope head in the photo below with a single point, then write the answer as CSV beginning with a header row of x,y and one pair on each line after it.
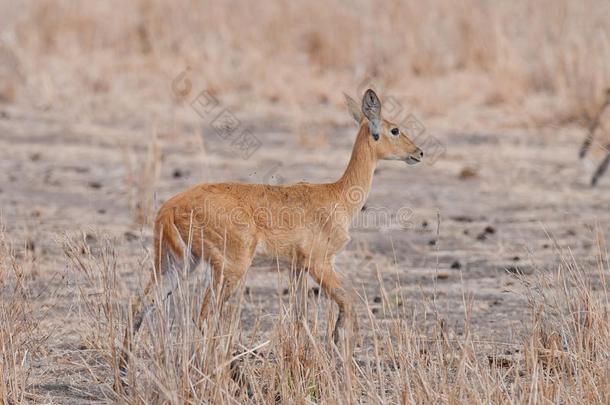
x,y
386,138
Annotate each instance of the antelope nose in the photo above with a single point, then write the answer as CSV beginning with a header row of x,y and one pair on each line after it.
x,y
419,153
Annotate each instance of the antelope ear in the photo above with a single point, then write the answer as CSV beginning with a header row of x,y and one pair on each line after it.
x,y
353,108
371,108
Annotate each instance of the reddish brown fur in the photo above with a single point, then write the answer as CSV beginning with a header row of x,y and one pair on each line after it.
x,y
307,224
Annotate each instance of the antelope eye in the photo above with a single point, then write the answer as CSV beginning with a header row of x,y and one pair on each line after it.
x,y
395,131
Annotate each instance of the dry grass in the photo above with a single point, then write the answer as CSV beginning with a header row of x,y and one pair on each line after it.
x,y
88,60
141,177
560,356
20,339
14,329
288,54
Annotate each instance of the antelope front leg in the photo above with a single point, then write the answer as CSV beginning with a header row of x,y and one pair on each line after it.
x,y
327,278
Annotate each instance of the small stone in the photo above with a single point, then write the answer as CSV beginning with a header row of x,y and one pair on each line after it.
x,y
456,265
29,245
130,236
467,173
462,218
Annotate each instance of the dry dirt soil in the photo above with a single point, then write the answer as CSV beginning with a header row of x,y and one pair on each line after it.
x,y
494,205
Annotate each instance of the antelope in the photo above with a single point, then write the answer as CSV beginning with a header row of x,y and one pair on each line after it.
x,y
586,145
222,224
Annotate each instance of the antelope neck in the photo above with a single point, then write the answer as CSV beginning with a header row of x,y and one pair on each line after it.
x,y
355,184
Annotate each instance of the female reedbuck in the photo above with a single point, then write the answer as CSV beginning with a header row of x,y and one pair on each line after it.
x,y
227,224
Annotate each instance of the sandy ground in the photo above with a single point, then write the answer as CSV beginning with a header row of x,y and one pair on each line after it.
x,y
493,204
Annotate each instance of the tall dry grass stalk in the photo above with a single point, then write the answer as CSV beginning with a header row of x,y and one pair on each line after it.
x,y
18,340
142,174
561,355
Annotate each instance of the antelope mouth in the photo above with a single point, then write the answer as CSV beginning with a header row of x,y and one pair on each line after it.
x,y
412,160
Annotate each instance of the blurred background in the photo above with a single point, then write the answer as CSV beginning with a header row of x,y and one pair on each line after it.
x,y
543,62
